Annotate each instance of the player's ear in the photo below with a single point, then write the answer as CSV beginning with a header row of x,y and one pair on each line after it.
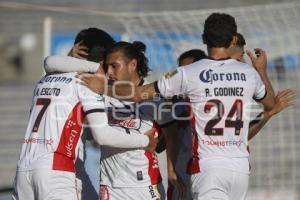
x,y
132,66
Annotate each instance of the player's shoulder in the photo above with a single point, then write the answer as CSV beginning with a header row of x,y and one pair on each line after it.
x,y
58,78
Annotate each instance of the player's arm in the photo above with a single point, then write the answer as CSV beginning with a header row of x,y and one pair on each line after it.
x,y
102,133
283,100
173,83
79,50
69,64
171,135
260,63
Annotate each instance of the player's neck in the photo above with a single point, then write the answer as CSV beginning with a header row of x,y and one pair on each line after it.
x,y
218,53
136,80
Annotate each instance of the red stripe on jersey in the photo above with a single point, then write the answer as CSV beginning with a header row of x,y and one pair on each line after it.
x,y
64,155
193,164
153,169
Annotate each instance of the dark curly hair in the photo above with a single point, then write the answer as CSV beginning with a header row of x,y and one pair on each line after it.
x,y
219,30
135,50
196,54
241,42
97,41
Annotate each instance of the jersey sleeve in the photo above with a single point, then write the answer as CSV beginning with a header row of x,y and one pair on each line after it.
x,y
260,89
68,64
172,83
103,134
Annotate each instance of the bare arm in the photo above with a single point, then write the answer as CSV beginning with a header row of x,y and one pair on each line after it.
x,y
120,90
260,64
171,135
283,100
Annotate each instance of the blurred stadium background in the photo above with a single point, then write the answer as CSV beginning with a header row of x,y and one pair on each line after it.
x,y
31,29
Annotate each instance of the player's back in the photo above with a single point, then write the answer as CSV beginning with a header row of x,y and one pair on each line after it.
x,y
54,125
221,93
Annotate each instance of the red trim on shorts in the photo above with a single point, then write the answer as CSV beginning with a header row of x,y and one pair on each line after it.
x,y
193,164
153,169
64,156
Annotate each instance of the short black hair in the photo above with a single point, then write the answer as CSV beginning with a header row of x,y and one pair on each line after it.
x,y
97,41
241,42
135,50
219,30
196,54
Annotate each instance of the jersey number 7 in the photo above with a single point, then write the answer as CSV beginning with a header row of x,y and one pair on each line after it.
x,y
45,102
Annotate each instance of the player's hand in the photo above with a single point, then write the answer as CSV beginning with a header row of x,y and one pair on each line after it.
x,y
259,61
79,51
95,82
283,99
153,140
177,183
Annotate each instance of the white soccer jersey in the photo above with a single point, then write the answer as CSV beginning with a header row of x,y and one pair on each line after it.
x,y
135,168
221,93
55,125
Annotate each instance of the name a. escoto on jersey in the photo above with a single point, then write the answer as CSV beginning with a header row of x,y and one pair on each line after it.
x,y
209,76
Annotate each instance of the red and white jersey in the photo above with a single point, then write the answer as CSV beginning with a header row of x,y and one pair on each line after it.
x,y
221,93
131,168
59,107
55,124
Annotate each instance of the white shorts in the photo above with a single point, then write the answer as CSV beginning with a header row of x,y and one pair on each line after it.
x,y
219,184
152,192
44,184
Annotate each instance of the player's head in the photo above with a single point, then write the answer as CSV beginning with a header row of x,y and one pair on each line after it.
x,y
220,31
191,56
237,52
127,60
97,41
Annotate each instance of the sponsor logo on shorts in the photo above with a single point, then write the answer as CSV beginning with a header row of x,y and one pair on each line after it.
x,y
153,192
139,175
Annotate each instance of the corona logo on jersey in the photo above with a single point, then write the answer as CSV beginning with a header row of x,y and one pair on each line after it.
x,y
208,76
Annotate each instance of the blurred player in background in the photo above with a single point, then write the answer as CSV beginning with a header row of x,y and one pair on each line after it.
x,y
238,50
220,89
46,168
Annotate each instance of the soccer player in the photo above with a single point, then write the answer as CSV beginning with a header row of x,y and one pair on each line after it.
x,y
191,56
140,178
220,90
46,167
283,99
184,148
86,47
238,50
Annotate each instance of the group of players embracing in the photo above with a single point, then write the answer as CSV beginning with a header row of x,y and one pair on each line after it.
x,y
201,113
